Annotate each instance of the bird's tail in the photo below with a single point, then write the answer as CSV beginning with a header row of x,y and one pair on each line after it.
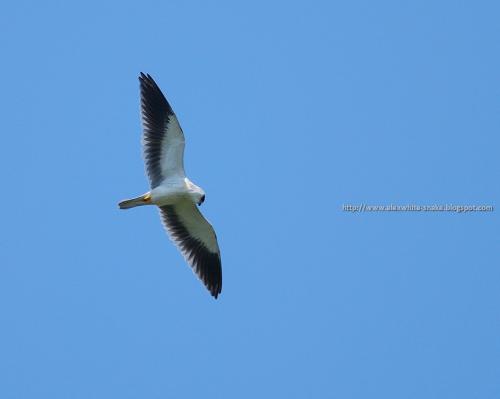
x,y
133,202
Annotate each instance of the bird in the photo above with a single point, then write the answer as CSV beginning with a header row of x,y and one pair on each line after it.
x,y
177,197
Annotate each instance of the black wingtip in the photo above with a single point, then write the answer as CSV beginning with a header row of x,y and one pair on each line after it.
x,y
153,102
215,291
212,277
147,78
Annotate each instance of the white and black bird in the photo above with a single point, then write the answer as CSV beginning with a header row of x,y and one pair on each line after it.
x,y
174,194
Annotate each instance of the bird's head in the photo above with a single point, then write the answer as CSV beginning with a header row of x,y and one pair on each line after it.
x,y
197,193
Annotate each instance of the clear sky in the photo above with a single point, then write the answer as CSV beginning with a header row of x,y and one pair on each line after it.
x,y
290,110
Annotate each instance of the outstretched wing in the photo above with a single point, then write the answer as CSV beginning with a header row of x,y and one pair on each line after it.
x,y
162,138
197,241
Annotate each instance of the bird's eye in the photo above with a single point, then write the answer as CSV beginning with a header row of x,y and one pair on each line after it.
x,y
202,199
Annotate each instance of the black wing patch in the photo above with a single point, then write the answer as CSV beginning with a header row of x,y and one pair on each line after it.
x,y
156,112
205,263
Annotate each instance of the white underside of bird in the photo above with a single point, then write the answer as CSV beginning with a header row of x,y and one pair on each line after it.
x,y
171,191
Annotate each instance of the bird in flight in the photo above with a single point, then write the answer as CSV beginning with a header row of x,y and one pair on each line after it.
x,y
171,191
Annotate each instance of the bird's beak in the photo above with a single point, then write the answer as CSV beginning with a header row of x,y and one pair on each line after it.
x,y
146,198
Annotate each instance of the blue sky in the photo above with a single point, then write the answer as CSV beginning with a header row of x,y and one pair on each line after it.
x,y
290,111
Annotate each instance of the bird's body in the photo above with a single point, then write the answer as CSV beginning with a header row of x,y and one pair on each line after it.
x,y
171,191
176,189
